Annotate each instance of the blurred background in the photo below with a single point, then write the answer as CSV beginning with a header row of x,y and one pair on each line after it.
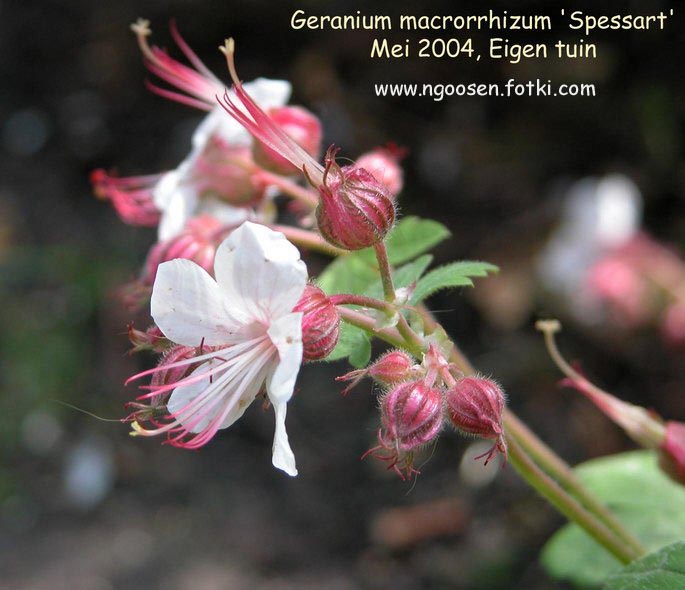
x,y
521,182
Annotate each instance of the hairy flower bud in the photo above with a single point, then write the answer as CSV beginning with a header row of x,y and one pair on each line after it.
x,y
475,406
355,210
197,242
411,416
320,323
391,368
298,124
384,164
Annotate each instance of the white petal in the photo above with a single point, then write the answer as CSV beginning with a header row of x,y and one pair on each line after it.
x,y
269,93
165,188
181,206
220,124
286,335
283,457
260,271
222,211
189,306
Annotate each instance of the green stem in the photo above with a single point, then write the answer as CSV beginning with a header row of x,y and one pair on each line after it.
x,y
567,505
385,271
361,301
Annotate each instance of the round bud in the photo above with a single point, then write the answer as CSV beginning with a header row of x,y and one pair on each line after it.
x,y
411,415
355,210
474,406
299,124
320,323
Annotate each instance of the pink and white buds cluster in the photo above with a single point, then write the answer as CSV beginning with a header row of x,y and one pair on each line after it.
x,y
300,125
131,197
391,368
474,406
411,416
320,323
384,164
197,242
355,210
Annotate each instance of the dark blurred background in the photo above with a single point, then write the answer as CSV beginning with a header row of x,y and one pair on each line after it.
x,y
83,506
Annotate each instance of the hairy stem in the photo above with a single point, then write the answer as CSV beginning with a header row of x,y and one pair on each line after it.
x,y
385,271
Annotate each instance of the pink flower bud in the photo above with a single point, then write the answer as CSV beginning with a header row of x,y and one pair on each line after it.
x,y
391,368
475,406
355,210
225,171
320,323
384,164
672,456
197,242
411,416
298,124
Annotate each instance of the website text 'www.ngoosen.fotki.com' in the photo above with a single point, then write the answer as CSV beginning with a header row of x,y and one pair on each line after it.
x,y
510,88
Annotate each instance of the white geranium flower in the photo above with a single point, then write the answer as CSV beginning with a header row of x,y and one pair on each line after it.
x,y
181,193
246,332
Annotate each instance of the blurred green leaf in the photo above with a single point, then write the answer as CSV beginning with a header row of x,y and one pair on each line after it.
x,y
456,274
661,570
649,504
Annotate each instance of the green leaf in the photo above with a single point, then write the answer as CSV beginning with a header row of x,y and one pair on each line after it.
x,y
348,274
456,274
353,343
645,500
413,236
661,570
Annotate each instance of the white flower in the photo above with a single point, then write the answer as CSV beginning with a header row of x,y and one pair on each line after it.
x,y
245,328
179,195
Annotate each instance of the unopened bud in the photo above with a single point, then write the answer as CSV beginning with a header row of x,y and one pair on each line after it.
x,y
672,455
320,323
391,368
150,339
197,242
298,124
411,416
384,164
475,406
355,210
